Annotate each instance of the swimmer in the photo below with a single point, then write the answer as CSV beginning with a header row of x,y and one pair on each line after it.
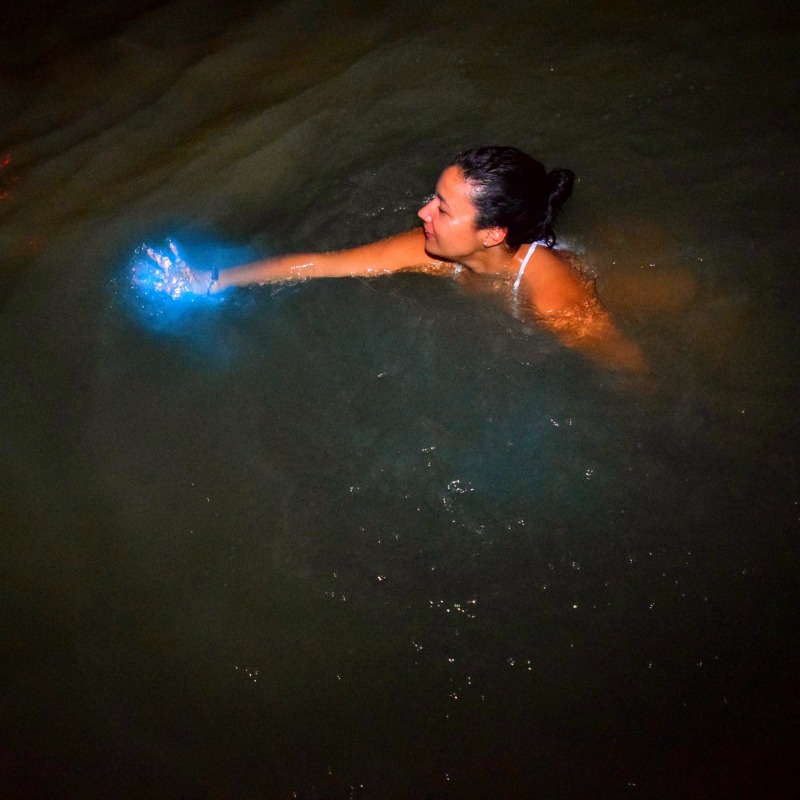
x,y
489,224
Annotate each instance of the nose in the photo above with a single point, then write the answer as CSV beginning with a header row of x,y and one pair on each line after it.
x,y
425,212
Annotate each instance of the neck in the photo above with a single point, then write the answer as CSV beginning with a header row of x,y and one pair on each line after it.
x,y
496,260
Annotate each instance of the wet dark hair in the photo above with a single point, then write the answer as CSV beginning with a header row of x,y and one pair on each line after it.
x,y
514,191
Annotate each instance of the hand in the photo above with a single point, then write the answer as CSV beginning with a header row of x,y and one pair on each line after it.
x,y
171,274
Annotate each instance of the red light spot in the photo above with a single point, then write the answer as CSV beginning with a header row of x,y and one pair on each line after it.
x,y
6,179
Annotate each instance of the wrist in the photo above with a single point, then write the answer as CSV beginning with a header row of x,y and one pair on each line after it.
x,y
213,286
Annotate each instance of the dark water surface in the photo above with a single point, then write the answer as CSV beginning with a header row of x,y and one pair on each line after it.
x,y
376,538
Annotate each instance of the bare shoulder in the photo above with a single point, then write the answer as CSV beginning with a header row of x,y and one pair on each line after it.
x,y
552,284
558,296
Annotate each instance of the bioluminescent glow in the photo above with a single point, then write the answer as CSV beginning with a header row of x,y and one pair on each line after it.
x,y
167,272
163,291
168,293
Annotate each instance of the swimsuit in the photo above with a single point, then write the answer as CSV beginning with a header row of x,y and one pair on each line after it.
x,y
522,269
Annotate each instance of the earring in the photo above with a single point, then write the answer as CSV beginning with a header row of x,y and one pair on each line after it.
x,y
485,244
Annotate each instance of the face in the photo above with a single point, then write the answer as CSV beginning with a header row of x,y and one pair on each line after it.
x,y
449,219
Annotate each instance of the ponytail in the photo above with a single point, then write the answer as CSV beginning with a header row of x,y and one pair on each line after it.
x,y
559,185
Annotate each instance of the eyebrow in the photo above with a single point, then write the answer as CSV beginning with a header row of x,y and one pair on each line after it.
x,y
441,199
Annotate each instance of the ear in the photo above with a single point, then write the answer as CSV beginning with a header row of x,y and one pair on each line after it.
x,y
491,237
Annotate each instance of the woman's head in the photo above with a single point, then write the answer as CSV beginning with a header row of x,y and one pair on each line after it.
x,y
511,190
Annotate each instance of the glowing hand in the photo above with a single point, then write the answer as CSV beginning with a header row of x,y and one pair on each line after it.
x,y
171,274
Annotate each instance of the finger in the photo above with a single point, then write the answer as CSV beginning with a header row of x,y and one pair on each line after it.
x,y
152,254
179,262
161,260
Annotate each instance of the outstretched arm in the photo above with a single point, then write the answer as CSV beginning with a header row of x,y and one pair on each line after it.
x,y
403,251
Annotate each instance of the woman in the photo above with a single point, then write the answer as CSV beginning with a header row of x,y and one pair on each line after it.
x,y
491,222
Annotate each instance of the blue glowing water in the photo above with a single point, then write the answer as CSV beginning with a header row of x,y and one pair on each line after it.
x,y
162,302
156,289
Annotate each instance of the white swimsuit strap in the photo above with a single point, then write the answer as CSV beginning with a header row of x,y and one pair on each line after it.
x,y
522,268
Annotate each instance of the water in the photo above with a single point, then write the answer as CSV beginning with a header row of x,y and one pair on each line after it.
x,y
376,538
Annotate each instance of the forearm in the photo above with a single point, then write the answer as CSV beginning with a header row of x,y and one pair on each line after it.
x,y
377,258
272,270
